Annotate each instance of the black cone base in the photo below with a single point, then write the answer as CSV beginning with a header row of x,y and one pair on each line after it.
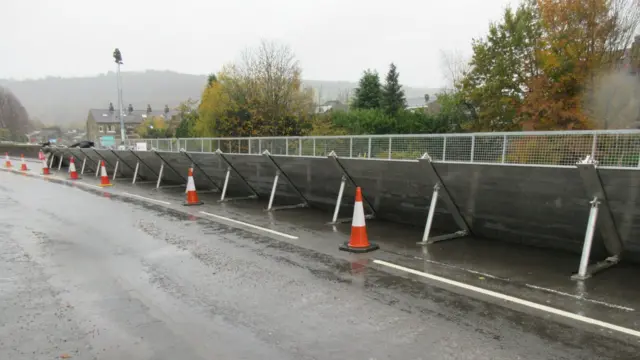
x,y
346,247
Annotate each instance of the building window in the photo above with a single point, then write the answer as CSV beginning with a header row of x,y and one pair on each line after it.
x,y
111,128
100,128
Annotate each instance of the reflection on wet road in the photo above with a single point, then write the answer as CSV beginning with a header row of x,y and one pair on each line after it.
x,y
97,277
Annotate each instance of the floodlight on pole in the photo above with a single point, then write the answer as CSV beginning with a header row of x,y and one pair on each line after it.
x,y
117,56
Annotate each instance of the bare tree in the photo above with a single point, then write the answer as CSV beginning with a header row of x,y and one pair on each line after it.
x,y
13,116
454,66
268,81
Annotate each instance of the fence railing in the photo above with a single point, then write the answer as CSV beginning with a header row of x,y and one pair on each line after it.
x,y
612,148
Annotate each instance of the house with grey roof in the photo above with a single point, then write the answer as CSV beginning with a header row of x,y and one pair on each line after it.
x,y
331,105
105,123
419,103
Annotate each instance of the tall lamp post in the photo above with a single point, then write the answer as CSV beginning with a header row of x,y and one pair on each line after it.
x,y
117,56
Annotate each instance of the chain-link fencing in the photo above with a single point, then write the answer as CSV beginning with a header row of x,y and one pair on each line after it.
x,y
611,148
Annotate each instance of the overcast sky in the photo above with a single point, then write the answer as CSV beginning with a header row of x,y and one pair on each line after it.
x,y
333,39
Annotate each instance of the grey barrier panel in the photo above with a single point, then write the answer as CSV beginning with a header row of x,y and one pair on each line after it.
x,y
96,158
153,162
318,179
130,160
215,168
622,188
399,191
59,153
538,206
181,164
125,169
170,174
145,171
109,161
259,172
90,165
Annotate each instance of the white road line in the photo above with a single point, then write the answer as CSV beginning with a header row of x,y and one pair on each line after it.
x,y
620,307
461,268
146,198
514,300
250,225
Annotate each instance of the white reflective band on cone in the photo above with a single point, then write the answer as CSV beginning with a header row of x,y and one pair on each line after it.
x,y
358,215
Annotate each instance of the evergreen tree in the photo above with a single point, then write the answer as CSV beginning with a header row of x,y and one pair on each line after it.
x,y
211,79
392,100
369,91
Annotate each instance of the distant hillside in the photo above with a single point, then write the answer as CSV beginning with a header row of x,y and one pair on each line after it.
x,y
64,101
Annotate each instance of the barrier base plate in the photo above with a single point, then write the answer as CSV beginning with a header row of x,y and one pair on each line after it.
x,y
346,247
193,204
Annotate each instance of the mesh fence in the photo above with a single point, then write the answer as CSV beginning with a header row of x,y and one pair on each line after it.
x,y
619,148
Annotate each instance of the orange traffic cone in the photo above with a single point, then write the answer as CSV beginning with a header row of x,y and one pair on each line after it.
x,y
192,196
23,167
7,162
104,179
359,242
45,167
73,172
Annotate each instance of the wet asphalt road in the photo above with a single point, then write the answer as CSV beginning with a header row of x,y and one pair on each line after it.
x,y
95,277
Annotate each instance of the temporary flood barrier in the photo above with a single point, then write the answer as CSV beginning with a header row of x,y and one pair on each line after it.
x,y
540,189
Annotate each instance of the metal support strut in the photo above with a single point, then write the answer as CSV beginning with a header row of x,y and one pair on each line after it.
x,y
164,162
195,164
135,173
279,173
160,175
115,170
343,182
227,178
84,163
336,211
599,217
121,161
440,191
588,240
139,161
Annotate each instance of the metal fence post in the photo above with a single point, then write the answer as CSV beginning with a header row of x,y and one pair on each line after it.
x,y
444,149
300,146
286,146
473,146
369,150
389,148
504,148
314,146
593,146
351,147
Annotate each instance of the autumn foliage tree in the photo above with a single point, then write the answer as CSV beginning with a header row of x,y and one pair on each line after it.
x,y
153,127
260,95
581,41
538,68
